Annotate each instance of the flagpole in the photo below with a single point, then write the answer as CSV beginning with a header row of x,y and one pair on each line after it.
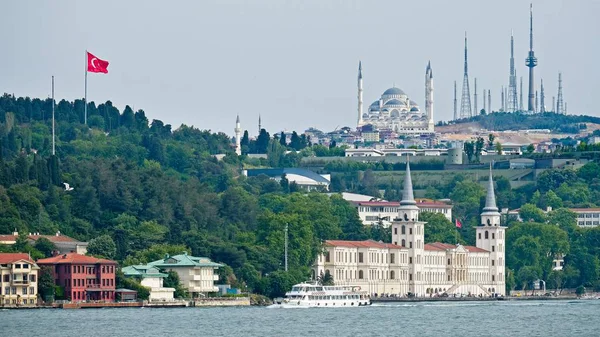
x,y
53,141
85,95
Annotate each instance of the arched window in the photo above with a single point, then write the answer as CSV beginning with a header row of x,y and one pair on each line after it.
x,y
479,236
403,243
392,275
486,235
360,274
403,231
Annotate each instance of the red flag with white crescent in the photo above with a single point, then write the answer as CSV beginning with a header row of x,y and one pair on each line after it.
x,y
96,65
458,223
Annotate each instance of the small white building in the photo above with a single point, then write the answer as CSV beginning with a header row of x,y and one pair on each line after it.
x,y
18,280
371,212
151,278
196,274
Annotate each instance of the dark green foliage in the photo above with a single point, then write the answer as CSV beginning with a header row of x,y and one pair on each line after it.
x,y
46,284
560,123
172,281
102,246
45,246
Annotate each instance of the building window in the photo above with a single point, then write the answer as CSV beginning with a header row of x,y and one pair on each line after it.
x,y
410,277
7,278
32,278
403,243
479,236
410,260
392,258
360,274
360,258
493,248
449,262
410,244
395,230
410,231
392,275
327,257
493,278
487,235
493,263
31,290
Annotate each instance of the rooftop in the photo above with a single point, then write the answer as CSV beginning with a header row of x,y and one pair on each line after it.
x,y
14,257
184,260
362,244
446,246
71,258
142,271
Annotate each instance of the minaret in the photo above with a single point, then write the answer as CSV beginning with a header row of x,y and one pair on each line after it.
x,y
521,96
490,236
512,79
475,111
531,62
465,101
560,109
505,98
360,95
554,104
542,97
238,136
502,107
259,124
408,231
429,96
537,106
455,111
489,100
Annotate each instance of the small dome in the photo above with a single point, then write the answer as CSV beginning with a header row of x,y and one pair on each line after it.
x,y
414,109
374,104
394,91
394,102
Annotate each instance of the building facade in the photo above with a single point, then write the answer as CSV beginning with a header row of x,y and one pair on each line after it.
x,y
396,112
18,280
196,274
151,278
83,278
410,267
372,212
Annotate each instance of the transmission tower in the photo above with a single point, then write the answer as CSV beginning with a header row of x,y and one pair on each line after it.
x,y
489,100
502,107
512,79
465,101
560,108
521,96
455,111
531,62
475,111
542,97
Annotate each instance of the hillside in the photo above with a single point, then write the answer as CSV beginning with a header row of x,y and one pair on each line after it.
x,y
503,121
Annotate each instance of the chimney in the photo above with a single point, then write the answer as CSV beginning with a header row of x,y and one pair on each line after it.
x,y
548,209
16,233
64,256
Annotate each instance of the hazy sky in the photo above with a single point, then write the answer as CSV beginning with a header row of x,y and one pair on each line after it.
x,y
294,62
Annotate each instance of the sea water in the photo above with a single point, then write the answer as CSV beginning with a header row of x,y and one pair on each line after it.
x,y
501,318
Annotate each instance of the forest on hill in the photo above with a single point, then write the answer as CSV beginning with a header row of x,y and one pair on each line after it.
x,y
142,189
557,123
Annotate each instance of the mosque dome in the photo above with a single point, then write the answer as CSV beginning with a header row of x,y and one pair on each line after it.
x,y
394,91
394,102
414,109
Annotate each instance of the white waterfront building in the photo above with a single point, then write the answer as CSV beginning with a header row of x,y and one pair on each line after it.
x,y
409,265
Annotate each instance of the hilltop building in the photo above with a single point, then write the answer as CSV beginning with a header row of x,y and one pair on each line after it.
x,y
64,244
305,179
395,111
18,280
196,274
83,278
408,265
372,212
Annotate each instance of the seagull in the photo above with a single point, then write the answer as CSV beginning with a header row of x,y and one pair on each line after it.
x,y
68,187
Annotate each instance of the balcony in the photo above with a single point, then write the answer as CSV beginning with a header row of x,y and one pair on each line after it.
x,y
19,282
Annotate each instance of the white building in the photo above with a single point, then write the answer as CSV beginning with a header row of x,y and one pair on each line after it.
x,y
64,244
196,274
587,217
371,212
18,280
395,111
410,266
151,278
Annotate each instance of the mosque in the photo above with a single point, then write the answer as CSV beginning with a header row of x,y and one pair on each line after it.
x,y
395,111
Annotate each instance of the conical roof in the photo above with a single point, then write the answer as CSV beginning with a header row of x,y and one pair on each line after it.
x,y
407,194
490,199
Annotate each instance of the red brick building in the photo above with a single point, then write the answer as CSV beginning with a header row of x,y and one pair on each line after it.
x,y
83,277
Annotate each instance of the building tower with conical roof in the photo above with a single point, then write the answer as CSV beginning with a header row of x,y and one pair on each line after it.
x,y
491,237
409,232
238,136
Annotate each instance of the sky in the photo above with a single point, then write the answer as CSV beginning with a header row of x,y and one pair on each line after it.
x,y
295,63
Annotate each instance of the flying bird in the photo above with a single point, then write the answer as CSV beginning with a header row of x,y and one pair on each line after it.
x,y
68,187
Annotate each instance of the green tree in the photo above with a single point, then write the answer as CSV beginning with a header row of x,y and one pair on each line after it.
x,y
325,279
469,148
530,148
45,246
491,139
172,281
529,212
46,284
438,228
499,150
102,246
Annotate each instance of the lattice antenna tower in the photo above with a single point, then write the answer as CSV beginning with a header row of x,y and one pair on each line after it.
x,y
512,79
465,101
560,108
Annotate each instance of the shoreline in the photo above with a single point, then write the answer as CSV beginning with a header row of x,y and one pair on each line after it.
x,y
471,299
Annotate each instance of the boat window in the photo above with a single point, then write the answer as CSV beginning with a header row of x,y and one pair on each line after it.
x,y
319,288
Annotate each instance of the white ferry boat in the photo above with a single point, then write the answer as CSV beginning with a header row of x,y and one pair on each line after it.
x,y
313,295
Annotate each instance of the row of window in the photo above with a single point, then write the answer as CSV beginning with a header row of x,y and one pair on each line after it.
x,y
14,291
588,215
15,302
487,235
374,257
458,276
87,282
85,269
17,277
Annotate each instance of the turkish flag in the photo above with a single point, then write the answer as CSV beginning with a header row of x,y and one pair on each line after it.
x,y
458,224
96,65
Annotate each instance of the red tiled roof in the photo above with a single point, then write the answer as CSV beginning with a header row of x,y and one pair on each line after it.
x,y
13,257
51,238
362,244
584,209
70,258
